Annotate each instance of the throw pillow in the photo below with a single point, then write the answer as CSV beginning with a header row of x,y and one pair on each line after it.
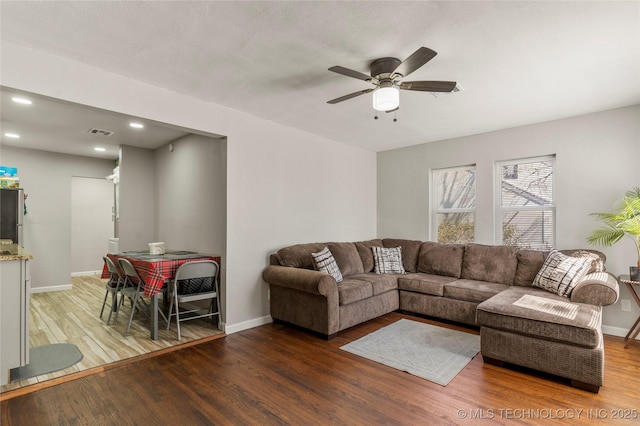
x,y
560,273
598,264
325,262
387,260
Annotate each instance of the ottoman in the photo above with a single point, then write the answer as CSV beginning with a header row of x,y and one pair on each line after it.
x,y
537,329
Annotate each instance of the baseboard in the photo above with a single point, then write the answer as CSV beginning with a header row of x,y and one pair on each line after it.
x,y
616,331
85,273
245,325
51,288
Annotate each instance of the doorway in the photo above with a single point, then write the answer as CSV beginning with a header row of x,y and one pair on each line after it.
x,y
92,201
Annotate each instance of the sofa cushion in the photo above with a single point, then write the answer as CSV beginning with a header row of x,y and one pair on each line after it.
x,y
366,255
441,259
299,255
347,257
424,283
472,290
352,290
380,283
495,264
561,273
529,263
579,325
325,262
410,251
387,260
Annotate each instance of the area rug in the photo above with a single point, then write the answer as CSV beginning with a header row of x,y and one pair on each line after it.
x,y
434,353
47,359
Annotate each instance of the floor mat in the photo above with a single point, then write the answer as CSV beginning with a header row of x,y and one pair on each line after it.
x,y
47,359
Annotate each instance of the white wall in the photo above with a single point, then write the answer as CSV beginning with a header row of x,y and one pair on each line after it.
x,y
283,185
597,161
46,178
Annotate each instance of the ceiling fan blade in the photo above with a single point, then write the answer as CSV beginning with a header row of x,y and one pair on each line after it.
x,y
349,96
350,73
429,86
415,61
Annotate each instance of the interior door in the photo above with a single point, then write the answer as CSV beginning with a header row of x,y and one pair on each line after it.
x,y
91,223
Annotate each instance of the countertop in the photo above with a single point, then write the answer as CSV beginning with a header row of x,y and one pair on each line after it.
x,y
14,252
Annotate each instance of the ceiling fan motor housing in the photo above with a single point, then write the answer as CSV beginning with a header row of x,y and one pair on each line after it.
x,y
383,66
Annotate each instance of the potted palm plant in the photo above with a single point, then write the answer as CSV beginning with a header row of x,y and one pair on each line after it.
x,y
625,221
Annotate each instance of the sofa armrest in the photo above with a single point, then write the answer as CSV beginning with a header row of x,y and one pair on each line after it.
x,y
314,282
598,288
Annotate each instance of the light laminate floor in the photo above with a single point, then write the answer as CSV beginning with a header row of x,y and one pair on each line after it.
x,y
72,316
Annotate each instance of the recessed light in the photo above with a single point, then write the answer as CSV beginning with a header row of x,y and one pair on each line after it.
x,y
12,135
99,149
20,100
136,125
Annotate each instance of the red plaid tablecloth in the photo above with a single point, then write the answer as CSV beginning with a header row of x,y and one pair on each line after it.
x,y
154,272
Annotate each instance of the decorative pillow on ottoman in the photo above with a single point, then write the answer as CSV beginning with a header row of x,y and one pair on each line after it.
x,y
560,273
387,260
325,262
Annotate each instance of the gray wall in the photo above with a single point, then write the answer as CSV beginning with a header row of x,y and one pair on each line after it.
x,y
137,198
596,162
46,178
191,197
190,194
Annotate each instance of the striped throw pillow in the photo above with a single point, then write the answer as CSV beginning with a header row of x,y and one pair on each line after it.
x,y
325,262
561,273
387,260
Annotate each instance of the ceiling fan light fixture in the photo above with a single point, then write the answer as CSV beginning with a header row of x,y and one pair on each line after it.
x,y
386,98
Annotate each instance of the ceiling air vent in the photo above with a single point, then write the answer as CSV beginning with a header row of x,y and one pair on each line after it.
x,y
100,132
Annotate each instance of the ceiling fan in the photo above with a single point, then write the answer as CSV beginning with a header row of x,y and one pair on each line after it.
x,y
386,76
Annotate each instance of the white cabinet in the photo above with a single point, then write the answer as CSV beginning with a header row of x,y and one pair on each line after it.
x,y
15,286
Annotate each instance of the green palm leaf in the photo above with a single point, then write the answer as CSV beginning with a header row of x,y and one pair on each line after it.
x,y
623,222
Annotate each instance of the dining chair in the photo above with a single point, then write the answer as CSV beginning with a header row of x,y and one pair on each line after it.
x,y
133,290
194,281
113,288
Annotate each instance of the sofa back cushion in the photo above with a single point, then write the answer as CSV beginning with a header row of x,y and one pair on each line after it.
x,y
441,259
347,257
410,251
366,255
496,264
529,263
299,255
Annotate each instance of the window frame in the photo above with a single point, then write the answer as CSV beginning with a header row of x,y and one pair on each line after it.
x,y
500,210
435,199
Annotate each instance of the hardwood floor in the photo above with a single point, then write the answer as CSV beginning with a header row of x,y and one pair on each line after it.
x,y
276,374
73,317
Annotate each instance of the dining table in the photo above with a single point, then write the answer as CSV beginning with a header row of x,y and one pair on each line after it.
x,y
156,270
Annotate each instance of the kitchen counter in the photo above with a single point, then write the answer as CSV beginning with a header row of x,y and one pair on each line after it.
x,y
15,289
14,252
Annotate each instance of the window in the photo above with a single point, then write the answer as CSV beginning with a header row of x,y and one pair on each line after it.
x,y
525,213
454,195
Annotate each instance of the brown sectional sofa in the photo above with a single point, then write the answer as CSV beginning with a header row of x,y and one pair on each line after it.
x,y
471,283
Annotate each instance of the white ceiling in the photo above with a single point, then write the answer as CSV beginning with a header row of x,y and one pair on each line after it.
x,y
54,125
518,62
